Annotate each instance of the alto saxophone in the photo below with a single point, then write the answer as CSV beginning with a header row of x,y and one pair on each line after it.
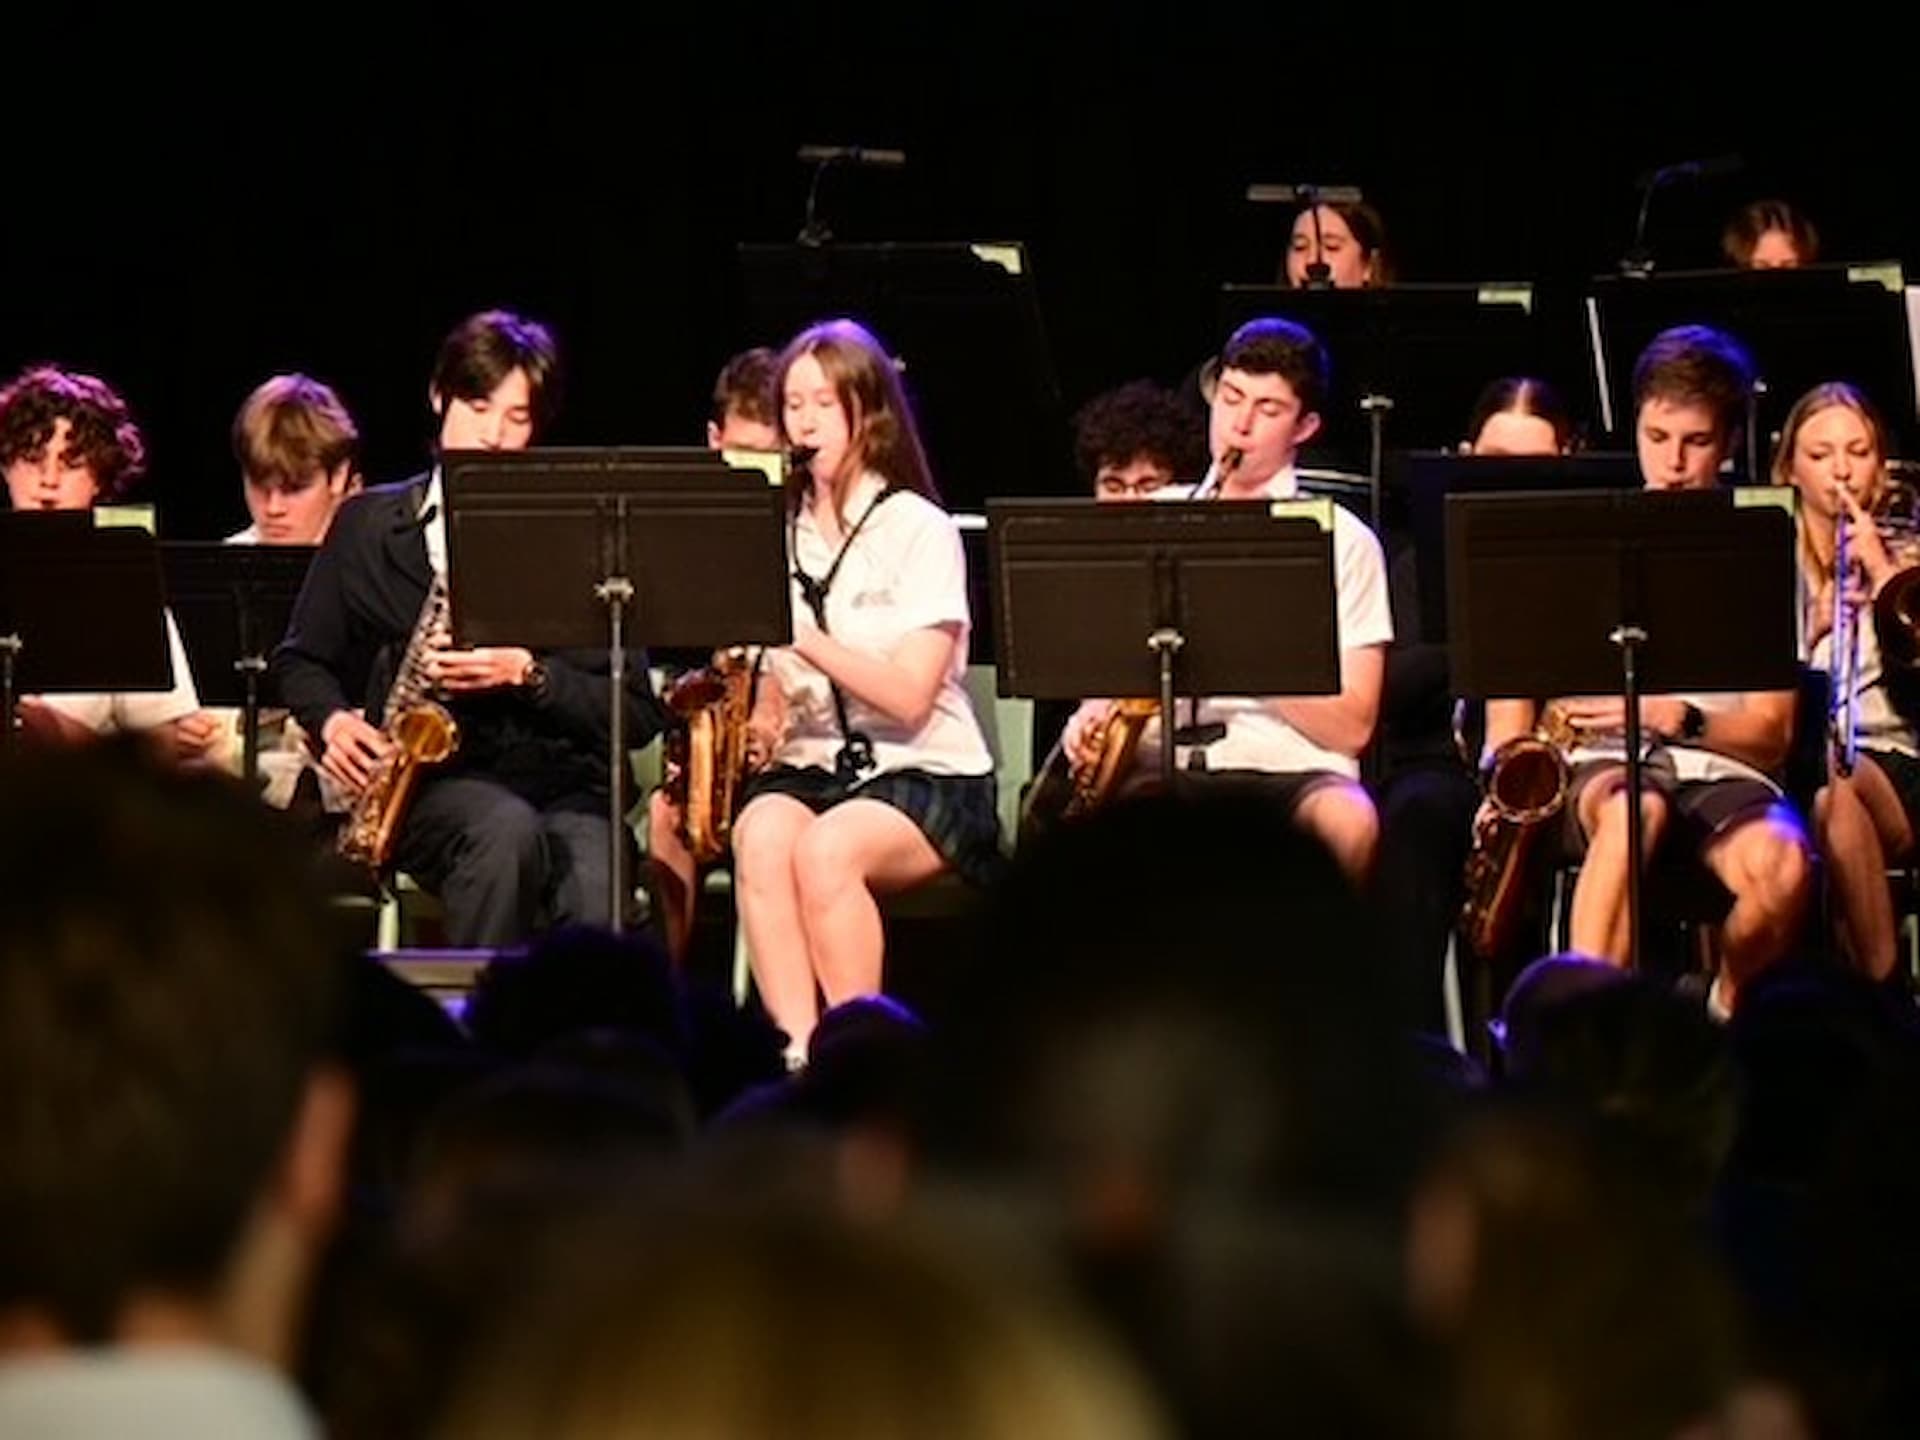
x,y
707,760
421,733
1526,787
1067,789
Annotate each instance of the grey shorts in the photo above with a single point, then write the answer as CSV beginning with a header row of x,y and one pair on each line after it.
x,y
1701,810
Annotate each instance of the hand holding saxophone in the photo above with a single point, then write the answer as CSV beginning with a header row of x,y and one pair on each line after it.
x,y
486,667
1083,728
766,727
351,750
1607,714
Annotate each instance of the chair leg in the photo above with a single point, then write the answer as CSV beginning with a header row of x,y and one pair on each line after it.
x,y
1560,916
387,926
1452,996
742,966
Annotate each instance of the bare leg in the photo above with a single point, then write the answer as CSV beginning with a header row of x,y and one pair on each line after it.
x,y
1601,925
1343,817
1764,863
1860,823
671,875
765,839
856,849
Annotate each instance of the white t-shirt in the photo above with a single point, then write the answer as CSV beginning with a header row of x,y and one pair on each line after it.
x,y
1877,724
904,571
1257,738
135,710
1690,762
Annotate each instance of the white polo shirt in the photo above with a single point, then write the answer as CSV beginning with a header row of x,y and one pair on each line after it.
x,y
1257,737
905,571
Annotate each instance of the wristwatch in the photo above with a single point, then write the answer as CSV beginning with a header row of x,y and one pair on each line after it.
x,y
1693,722
535,681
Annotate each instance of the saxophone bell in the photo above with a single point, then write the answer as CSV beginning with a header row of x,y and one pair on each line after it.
x,y
1527,784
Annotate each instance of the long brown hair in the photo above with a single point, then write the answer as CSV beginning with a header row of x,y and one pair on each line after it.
x,y
881,435
1817,566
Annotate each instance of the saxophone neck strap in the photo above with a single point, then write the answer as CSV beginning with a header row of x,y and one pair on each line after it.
x,y
855,758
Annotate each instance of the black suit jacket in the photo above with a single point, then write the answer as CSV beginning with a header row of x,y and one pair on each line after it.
x,y
356,611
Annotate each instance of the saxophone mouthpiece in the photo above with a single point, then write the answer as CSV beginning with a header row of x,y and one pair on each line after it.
x,y
1230,459
800,458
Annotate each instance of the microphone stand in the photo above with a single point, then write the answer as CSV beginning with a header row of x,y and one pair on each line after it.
x,y
814,232
1319,273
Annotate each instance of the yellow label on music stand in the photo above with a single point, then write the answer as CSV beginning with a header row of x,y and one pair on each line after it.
x,y
125,517
1316,508
770,463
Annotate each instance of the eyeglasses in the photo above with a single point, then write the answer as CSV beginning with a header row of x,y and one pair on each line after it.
x,y
1115,487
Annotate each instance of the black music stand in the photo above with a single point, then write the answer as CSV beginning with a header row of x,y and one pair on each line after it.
x,y
1413,357
1207,598
80,611
950,312
1804,326
1428,477
1645,593
231,603
585,549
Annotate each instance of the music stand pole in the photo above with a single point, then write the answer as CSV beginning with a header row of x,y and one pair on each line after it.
x,y
1629,639
616,590
251,666
1376,408
1165,643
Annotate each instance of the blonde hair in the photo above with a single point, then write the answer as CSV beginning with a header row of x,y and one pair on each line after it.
x,y
1818,568
291,426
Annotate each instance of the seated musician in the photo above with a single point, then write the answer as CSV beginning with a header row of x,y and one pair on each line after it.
x,y
1708,782
745,415
1134,440
1519,415
1833,451
1347,237
881,777
1425,789
297,450
1304,751
513,829
67,442
1770,235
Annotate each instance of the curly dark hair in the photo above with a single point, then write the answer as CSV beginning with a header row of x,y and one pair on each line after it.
x,y
100,429
1273,346
1138,419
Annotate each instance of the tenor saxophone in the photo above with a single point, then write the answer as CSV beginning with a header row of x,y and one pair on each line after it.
x,y
707,760
1068,790
421,733
1526,787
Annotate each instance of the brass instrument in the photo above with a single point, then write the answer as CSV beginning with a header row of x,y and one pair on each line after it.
x,y
422,733
1844,720
1526,786
707,763
1066,790
1896,605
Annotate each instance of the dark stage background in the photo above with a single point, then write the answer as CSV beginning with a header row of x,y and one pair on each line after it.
x,y
194,205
